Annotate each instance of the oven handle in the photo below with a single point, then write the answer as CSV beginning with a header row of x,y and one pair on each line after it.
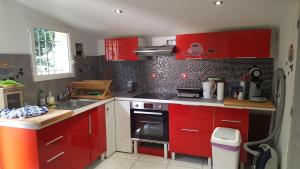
x,y
148,113
151,122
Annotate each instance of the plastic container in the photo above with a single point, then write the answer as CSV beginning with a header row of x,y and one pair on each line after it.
x,y
225,148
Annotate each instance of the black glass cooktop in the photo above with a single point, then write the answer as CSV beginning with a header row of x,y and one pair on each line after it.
x,y
160,96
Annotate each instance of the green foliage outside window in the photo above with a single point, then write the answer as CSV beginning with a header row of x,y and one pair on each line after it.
x,y
44,44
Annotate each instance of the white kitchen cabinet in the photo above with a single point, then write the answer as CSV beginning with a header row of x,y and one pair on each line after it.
x,y
123,128
110,128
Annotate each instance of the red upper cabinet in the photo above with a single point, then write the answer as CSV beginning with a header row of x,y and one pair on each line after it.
x,y
232,44
98,132
121,49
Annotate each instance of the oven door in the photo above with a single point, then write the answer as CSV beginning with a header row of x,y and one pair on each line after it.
x,y
149,125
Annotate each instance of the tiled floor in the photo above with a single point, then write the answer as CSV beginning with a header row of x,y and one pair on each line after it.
x,y
140,161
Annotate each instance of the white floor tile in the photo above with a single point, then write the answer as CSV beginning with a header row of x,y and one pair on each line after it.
x,y
116,163
125,155
178,167
156,159
148,165
187,161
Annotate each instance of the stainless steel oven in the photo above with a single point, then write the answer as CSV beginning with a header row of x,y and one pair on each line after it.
x,y
149,121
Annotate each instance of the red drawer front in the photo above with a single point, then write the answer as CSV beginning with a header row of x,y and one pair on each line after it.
x,y
57,161
190,112
191,117
232,124
187,123
52,147
194,143
232,118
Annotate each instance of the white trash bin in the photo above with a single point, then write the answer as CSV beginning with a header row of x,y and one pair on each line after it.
x,y
225,148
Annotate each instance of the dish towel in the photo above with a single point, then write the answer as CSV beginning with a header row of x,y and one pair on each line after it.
x,y
23,112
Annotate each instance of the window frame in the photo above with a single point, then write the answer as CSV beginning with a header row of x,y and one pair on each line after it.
x,y
37,77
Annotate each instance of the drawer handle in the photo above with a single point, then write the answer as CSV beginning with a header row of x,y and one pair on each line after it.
x,y
55,140
190,130
55,157
231,121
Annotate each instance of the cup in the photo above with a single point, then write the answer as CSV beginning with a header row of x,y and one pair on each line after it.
x,y
207,90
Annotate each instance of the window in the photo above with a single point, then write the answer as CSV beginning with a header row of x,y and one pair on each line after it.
x,y
51,56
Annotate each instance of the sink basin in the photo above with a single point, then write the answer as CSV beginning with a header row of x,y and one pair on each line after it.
x,y
74,104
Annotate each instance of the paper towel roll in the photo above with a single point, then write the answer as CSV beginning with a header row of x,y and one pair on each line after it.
x,y
220,91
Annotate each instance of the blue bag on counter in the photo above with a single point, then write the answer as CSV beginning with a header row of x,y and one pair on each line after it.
x,y
23,112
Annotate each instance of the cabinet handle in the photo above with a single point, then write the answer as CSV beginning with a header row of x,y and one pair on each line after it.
x,y
190,130
54,140
55,157
90,125
231,121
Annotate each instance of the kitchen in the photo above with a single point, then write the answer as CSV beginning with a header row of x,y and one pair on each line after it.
x,y
141,117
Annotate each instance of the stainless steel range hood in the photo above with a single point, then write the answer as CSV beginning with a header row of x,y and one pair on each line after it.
x,y
166,50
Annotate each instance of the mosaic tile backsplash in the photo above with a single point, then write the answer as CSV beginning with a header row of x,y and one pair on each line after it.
x,y
168,72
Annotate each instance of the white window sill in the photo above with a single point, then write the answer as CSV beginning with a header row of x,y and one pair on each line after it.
x,y
39,78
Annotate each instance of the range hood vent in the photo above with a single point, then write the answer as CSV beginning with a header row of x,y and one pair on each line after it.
x,y
166,50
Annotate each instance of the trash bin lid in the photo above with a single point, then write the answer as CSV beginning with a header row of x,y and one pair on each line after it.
x,y
226,136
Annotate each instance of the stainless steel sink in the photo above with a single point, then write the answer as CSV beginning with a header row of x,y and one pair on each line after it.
x,y
74,104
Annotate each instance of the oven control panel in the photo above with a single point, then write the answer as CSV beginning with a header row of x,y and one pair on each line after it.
x,y
149,105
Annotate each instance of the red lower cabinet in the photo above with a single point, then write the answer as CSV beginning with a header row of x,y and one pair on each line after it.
x,y
78,141
190,129
237,119
98,132
70,144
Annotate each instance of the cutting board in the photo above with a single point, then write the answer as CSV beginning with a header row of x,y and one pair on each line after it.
x,y
53,116
247,104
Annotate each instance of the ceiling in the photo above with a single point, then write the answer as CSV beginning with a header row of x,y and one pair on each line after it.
x,y
162,17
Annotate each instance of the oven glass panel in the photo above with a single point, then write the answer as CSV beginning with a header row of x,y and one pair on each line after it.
x,y
14,100
147,126
148,106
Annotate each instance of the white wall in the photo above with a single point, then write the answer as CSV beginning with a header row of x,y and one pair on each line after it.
x,y
14,35
288,36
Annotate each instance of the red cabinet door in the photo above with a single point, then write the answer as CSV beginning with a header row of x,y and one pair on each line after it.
x,y
111,49
231,44
78,141
191,142
98,132
121,48
237,119
190,129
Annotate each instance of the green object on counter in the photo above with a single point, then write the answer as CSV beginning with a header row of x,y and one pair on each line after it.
x,y
94,93
9,83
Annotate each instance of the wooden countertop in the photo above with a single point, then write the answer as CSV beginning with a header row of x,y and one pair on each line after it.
x,y
247,104
53,116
